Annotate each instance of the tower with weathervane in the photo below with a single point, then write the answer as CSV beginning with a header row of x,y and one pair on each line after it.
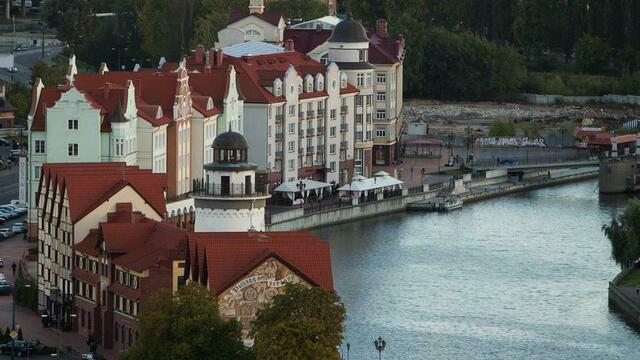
x,y
227,200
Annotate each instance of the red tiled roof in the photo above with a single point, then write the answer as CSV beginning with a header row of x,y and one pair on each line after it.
x,y
256,72
272,18
90,184
48,98
89,245
85,276
230,256
382,50
349,89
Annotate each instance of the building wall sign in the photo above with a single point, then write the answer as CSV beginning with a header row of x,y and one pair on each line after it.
x,y
511,141
255,291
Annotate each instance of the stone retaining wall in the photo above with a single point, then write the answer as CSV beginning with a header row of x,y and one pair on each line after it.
x,y
540,99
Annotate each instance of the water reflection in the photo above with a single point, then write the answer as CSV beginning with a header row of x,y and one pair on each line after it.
x,y
519,277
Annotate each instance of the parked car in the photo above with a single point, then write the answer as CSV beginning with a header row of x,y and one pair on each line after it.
x,y
15,152
12,69
508,162
92,356
2,220
21,347
6,233
4,142
18,228
2,277
5,287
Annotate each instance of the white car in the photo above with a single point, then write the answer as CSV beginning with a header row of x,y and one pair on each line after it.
x,y
18,228
6,232
2,277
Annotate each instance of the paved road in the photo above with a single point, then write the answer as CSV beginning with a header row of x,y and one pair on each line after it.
x,y
24,60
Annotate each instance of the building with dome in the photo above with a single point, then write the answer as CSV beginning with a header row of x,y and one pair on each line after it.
x,y
226,199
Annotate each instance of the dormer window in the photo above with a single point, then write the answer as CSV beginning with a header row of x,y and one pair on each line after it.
x,y
277,87
319,82
308,83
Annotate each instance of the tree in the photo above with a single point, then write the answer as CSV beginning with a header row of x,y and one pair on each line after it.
x,y
302,323
624,235
592,54
51,75
501,128
20,97
186,326
299,9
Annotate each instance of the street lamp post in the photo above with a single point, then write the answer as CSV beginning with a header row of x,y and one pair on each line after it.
x,y
380,344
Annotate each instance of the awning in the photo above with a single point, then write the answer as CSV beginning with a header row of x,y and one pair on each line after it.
x,y
381,180
292,187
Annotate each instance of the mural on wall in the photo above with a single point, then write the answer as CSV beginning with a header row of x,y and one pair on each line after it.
x,y
253,292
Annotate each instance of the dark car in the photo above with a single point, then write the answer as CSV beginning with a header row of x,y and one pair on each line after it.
x,y
5,287
4,142
22,347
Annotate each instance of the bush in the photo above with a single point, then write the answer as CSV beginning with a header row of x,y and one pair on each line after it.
x,y
501,128
592,54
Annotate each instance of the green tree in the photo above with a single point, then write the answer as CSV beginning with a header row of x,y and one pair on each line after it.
x,y
51,75
186,326
20,97
302,323
299,9
624,235
592,54
501,128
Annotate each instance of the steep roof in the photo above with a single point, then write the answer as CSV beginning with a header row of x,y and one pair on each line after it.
x,y
229,256
90,184
256,72
272,18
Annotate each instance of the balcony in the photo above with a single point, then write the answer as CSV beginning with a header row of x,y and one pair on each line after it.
x,y
321,114
344,109
203,189
311,114
310,132
279,117
279,136
358,121
301,132
300,150
344,144
320,130
279,154
301,115
320,148
311,149
344,127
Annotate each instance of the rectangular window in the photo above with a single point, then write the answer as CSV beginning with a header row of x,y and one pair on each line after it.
x,y
368,82
381,114
36,172
333,166
360,80
381,132
381,96
72,149
292,145
72,124
333,114
332,131
292,110
292,164
332,149
292,128
359,100
362,55
381,78
39,146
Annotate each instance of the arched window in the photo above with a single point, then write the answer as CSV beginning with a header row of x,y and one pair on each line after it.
x,y
253,33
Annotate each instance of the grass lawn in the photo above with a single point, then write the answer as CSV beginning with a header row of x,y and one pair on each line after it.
x,y
631,280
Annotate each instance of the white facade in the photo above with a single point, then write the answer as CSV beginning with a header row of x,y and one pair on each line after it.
x,y
253,27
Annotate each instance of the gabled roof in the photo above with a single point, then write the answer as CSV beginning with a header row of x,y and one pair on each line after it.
x,y
254,73
272,18
90,184
229,256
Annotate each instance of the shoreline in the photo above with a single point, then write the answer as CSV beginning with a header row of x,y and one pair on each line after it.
x,y
296,220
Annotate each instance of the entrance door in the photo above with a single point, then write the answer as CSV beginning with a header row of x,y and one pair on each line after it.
x,y
225,188
247,185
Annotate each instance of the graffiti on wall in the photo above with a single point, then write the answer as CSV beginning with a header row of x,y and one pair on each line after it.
x,y
253,292
511,141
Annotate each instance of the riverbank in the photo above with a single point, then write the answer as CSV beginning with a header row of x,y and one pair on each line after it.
x,y
296,219
625,299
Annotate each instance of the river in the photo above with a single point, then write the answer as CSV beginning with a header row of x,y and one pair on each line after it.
x,y
518,277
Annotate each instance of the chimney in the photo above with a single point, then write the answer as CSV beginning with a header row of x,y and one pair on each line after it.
x,y
219,57
200,54
212,57
382,28
103,68
399,45
289,45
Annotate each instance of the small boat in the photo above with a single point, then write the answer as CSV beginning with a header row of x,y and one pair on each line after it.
x,y
450,203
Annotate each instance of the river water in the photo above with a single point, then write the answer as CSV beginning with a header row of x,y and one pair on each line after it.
x,y
518,277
